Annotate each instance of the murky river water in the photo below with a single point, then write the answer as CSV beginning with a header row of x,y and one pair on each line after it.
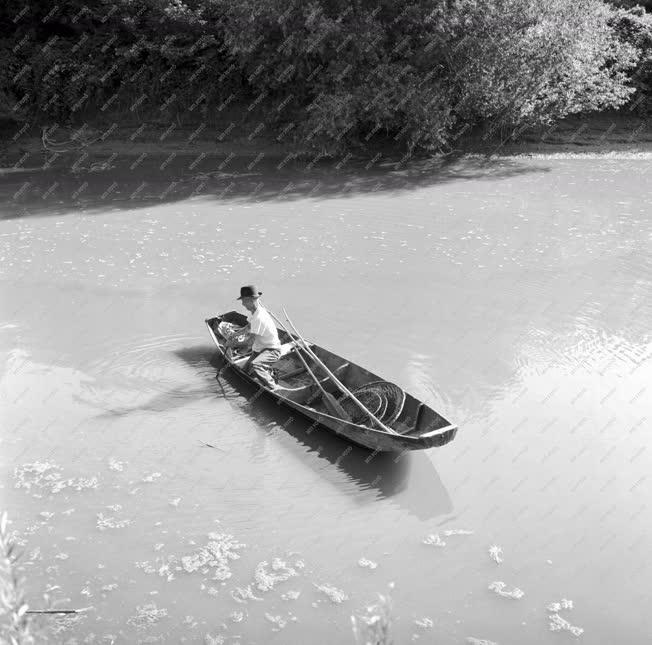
x,y
513,296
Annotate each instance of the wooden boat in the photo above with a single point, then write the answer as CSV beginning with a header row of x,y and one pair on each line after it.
x,y
416,425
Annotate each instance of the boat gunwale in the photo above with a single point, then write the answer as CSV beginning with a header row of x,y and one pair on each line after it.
x,y
407,437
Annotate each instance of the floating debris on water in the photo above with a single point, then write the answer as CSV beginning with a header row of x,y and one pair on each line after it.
x,y
62,556
363,562
104,522
499,587
110,587
151,477
83,483
114,464
240,594
237,616
450,532
214,640
281,571
335,594
290,595
159,546
47,476
190,622
146,566
175,502
40,474
557,623
434,540
564,603
66,622
424,623
161,567
278,621
147,615
164,570
221,548
479,641
34,554
115,507
496,554
46,515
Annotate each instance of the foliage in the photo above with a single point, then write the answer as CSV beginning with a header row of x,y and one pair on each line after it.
x,y
14,624
373,628
634,26
537,63
330,73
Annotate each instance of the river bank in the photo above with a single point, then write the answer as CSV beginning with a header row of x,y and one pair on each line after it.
x,y
601,135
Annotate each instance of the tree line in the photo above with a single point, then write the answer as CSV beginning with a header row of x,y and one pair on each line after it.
x,y
331,74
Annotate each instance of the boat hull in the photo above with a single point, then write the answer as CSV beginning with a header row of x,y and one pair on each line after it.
x,y
370,438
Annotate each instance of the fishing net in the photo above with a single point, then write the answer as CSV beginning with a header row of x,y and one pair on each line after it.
x,y
384,400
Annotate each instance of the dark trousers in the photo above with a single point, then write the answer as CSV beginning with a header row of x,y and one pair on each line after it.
x,y
260,364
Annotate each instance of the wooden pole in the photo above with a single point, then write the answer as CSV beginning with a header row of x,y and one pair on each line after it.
x,y
337,382
52,611
330,400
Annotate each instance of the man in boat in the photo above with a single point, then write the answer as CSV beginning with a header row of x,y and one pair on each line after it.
x,y
266,349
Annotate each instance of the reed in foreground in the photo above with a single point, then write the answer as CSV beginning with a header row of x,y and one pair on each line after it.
x,y
14,622
373,628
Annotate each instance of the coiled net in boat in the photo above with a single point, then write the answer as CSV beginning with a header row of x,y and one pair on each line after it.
x,y
384,400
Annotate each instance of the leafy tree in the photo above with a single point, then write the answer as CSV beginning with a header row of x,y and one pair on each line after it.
x,y
331,73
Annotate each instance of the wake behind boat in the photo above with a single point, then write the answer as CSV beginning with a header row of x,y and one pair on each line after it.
x,y
402,421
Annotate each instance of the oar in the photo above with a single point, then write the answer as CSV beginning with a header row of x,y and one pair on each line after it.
x,y
331,402
335,380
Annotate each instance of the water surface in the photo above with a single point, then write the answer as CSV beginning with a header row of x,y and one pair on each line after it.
x,y
514,296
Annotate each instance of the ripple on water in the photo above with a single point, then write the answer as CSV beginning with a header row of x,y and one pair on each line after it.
x,y
149,363
148,375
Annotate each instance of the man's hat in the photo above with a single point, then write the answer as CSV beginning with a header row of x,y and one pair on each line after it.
x,y
249,291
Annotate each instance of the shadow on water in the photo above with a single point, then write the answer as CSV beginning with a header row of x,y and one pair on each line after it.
x,y
410,480
28,191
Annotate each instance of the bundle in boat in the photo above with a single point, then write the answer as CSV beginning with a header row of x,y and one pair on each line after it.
x,y
241,342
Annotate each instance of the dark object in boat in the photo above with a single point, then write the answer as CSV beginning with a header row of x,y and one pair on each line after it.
x,y
417,425
388,398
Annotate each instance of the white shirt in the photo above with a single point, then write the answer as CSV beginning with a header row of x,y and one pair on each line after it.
x,y
264,330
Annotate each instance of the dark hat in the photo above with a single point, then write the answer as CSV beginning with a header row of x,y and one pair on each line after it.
x,y
249,291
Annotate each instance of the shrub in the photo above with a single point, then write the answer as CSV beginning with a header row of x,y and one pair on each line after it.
x,y
339,73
